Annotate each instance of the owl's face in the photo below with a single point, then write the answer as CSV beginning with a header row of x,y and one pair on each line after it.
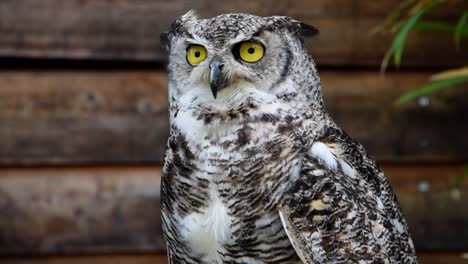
x,y
229,59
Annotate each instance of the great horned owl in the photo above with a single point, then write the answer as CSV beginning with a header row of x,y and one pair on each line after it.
x,y
255,170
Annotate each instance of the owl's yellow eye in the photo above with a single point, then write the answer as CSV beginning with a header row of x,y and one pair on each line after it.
x,y
196,54
251,51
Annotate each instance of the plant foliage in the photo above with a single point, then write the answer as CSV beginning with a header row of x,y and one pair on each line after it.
x,y
407,16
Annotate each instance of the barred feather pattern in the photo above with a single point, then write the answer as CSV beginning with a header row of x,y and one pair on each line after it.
x,y
262,174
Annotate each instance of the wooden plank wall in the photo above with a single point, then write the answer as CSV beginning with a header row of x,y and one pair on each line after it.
x,y
83,120
129,29
115,209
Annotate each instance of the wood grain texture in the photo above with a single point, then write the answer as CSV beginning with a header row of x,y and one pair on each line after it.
x,y
362,103
443,257
82,117
423,257
93,259
83,210
436,213
115,117
129,30
76,210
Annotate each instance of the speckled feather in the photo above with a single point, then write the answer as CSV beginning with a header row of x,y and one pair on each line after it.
x,y
262,174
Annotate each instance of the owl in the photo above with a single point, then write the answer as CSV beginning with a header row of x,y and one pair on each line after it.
x,y
255,169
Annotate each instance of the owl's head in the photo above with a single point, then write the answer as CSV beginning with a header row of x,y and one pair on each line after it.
x,y
230,59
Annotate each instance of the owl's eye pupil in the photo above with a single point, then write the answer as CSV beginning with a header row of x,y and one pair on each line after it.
x,y
197,54
251,50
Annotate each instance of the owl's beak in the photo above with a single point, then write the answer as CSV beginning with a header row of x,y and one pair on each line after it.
x,y
217,78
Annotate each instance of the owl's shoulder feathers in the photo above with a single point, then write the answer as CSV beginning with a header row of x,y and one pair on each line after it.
x,y
340,207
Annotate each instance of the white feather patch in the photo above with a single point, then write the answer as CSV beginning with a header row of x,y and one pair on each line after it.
x,y
189,126
297,170
207,232
410,242
398,225
348,170
380,205
318,172
324,153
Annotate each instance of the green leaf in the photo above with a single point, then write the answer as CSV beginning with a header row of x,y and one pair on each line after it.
x,y
441,26
398,43
458,72
459,178
460,29
429,88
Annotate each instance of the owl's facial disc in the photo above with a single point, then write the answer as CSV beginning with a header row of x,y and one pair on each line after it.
x,y
230,60
223,64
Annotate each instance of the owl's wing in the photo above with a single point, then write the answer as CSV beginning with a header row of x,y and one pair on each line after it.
x,y
341,209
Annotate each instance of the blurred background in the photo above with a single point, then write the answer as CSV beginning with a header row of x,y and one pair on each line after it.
x,y
83,117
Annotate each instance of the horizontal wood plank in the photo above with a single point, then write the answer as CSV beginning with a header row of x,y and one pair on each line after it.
x,y
115,117
432,129
423,258
116,209
77,210
436,213
93,259
129,30
82,117
443,257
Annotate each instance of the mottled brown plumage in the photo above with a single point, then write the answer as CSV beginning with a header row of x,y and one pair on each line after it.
x,y
262,174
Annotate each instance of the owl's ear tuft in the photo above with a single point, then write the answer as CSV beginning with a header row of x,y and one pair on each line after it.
x,y
307,30
179,26
292,25
191,14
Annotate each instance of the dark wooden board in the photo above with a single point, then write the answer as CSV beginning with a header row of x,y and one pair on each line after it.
x,y
436,212
115,117
129,30
82,117
443,257
93,259
423,258
362,103
78,210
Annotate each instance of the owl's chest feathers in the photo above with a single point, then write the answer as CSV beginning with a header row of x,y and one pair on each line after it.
x,y
236,163
220,220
